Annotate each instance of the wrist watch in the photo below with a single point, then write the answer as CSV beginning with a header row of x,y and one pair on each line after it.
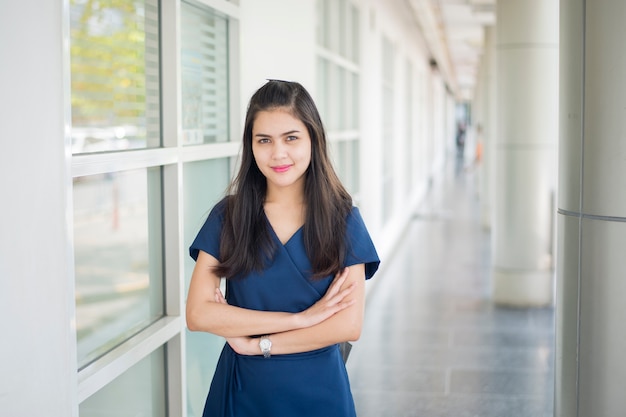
x,y
266,345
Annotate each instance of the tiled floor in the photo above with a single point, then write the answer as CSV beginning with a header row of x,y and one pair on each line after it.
x,y
434,344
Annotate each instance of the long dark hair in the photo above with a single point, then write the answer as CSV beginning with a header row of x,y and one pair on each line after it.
x,y
246,243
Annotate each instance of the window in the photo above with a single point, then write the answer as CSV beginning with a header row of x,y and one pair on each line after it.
x,y
118,258
204,75
133,396
409,134
204,184
151,154
338,85
388,95
117,214
115,77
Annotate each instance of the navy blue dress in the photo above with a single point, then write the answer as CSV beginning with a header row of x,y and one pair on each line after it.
x,y
309,384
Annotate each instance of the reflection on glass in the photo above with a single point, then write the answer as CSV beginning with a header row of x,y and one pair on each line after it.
x,y
203,185
388,126
388,132
204,55
323,21
356,169
323,85
140,391
354,105
118,258
345,161
114,54
354,52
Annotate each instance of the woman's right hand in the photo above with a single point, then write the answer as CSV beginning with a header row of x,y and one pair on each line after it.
x,y
335,300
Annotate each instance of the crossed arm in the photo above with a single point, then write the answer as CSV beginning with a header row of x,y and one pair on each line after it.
x,y
336,317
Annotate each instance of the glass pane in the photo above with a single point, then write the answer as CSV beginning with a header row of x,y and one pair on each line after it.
x,y
140,391
114,54
320,28
322,89
333,25
347,166
355,38
342,29
342,103
204,54
203,185
334,151
334,95
356,189
118,258
409,127
388,128
326,18
388,60
343,168
355,102
387,182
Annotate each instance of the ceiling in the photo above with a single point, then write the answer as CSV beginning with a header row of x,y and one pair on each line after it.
x,y
454,30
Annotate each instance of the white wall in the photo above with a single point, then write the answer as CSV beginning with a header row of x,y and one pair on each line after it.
x,y
37,359
277,42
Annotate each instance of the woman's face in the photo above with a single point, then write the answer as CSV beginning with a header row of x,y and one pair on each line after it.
x,y
281,146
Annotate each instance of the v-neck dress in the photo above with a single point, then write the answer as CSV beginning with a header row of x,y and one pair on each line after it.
x,y
309,384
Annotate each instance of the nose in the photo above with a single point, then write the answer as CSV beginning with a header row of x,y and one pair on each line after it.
x,y
279,150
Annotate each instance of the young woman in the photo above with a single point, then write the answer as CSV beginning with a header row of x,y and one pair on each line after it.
x,y
295,254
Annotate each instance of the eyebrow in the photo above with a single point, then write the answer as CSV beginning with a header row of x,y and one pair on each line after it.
x,y
265,135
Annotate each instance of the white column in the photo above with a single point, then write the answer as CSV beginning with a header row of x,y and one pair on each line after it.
x,y
525,151
590,363
37,351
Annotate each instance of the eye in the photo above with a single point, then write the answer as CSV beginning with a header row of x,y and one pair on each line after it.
x,y
263,140
290,138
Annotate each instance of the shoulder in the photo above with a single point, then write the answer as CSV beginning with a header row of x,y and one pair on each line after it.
x,y
221,206
360,246
208,237
220,210
354,218
355,226
219,214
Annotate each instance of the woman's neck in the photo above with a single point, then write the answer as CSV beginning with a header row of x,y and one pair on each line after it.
x,y
286,212
288,196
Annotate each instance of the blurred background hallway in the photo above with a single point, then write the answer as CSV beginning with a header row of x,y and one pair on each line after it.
x,y
434,344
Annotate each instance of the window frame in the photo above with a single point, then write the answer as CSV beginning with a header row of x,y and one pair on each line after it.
x,y
169,330
333,41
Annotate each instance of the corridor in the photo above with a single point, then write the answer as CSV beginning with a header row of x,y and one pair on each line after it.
x,y
433,343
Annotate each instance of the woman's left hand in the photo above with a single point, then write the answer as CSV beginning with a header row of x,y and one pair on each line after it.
x,y
243,345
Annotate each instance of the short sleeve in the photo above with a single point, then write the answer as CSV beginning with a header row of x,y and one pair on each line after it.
x,y
208,238
361,249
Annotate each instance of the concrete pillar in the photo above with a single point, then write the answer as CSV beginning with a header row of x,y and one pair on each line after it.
x,y
525,151
590,362
38,348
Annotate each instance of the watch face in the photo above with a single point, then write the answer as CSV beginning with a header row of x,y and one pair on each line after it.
x,y
265,344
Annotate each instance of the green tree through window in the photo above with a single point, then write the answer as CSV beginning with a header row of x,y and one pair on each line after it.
x,y
115,74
